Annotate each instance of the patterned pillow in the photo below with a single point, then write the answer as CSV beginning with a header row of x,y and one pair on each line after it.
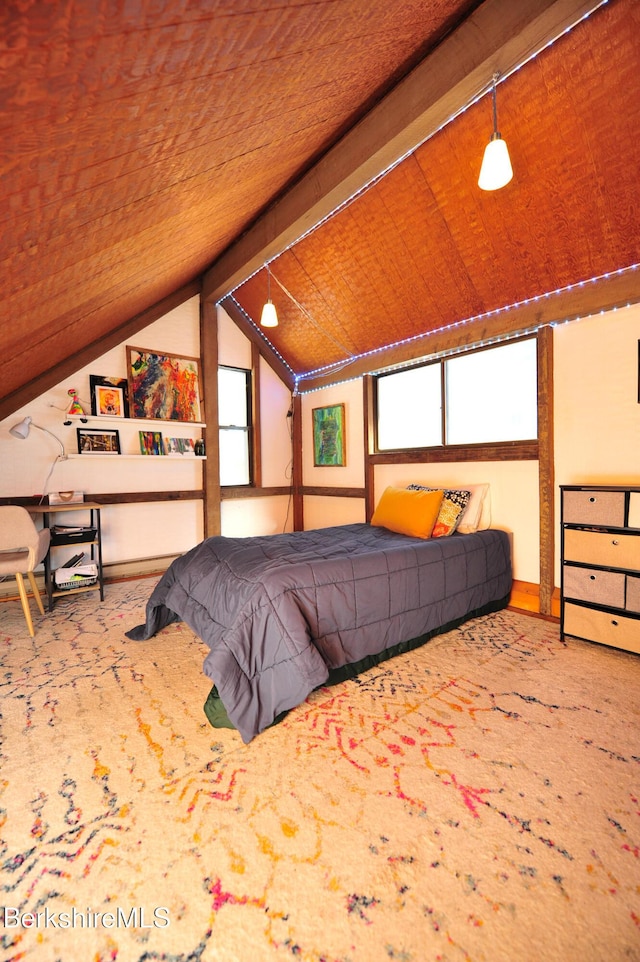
x,y
451,510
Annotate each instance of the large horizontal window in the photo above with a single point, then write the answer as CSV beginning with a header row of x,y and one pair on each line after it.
x,y
480,397
234,422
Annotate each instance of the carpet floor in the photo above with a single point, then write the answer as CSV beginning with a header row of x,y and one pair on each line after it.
x,y
476,800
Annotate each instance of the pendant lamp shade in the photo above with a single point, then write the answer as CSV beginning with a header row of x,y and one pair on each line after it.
x,y
496,170
269,317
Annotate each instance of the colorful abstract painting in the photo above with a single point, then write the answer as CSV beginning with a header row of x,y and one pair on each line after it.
x,y
328,436
164,387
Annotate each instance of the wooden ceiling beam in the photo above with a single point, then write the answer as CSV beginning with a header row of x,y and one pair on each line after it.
x,y
497,37
617,290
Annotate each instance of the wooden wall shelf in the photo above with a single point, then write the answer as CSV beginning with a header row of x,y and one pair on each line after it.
x,y
187,459
104,419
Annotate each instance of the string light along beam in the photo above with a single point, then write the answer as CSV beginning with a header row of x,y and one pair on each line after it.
x,y
329,369
481,92
374,180
502,338
256,328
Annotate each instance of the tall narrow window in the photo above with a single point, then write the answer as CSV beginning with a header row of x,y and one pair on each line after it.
x,y
234,421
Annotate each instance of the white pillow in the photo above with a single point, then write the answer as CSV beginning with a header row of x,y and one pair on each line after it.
x,y
477,514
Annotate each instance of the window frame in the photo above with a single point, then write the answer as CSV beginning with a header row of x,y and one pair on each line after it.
x,y
443,452
248,429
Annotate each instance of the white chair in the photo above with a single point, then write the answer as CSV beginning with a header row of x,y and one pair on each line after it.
x,y
22,549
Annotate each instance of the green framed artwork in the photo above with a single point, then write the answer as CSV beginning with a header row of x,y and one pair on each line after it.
x,y
329,446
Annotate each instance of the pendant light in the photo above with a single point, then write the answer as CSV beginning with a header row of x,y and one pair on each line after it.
x,y
269,316
496,170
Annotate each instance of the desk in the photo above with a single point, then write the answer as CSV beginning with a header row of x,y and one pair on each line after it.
x,y
89,534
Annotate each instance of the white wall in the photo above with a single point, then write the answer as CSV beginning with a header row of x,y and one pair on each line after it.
x,y
242,517
276,428
234,349
330,476
597,415
322,512
153,529
132,531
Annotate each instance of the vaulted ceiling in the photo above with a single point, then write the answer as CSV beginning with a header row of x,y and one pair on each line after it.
x,y
151,150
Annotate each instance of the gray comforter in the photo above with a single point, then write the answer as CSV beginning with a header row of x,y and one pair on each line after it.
x,y
278,612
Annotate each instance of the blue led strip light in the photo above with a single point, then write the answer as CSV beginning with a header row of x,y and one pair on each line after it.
x,y
457,113
328,369
258,329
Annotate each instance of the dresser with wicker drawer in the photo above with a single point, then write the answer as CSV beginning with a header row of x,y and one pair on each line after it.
x,y
600,561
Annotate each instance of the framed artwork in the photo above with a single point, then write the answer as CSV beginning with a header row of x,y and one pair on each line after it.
x,y
179,446
98,441
109,396
329,446
163,387
151,442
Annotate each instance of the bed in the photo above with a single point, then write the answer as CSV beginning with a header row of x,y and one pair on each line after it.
x,y
285,614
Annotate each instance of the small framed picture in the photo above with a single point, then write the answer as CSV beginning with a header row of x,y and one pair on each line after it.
x,y
98,441
109,396
179,446
151,442
329,446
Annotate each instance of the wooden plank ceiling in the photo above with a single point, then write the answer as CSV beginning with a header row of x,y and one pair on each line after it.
x,y
424,249
148,146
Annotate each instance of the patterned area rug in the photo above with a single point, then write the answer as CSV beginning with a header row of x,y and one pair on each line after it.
x,y
476,800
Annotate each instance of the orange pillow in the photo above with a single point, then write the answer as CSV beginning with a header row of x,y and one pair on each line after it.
x,y
408,512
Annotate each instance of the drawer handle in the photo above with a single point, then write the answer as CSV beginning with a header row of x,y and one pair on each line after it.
x,y
593,500
615,541
614,622
592,577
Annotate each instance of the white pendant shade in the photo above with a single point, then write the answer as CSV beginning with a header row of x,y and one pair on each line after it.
x,y
496,170
269,316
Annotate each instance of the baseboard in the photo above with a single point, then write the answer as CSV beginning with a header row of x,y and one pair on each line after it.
x,y
525,596
140,568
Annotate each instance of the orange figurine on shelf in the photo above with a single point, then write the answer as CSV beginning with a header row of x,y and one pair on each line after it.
x,y
75,408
